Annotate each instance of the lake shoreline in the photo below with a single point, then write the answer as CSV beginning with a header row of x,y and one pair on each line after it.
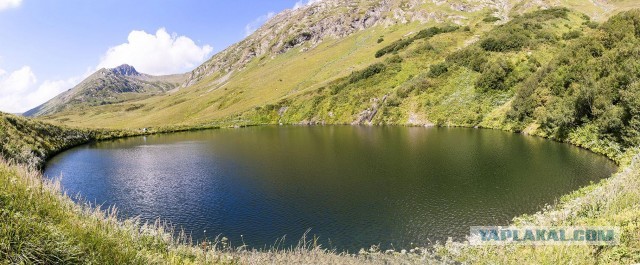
x,y
357,159
445,250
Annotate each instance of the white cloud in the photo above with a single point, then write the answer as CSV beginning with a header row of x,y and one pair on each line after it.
x,y
14,86
153,54
16,81
19,90
157,54
257,23
49,89
6,4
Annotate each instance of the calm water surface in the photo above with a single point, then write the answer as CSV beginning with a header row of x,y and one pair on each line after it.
x,y
352,186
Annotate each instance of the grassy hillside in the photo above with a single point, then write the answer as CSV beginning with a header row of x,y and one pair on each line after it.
x,y
30,143
306,67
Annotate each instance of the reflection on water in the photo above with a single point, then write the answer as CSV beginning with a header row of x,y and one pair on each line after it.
x,y
353,186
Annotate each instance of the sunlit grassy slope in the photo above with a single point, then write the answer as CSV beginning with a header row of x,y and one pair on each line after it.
x,y
264,80
271,79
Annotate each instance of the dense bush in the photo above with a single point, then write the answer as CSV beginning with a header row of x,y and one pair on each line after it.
x,y
432,31
396,59
574,34
494,77
491,19
593,82
394,47
423,34
438,69
505,42
370,71
357,76
418,84
523,31
302,37
472,57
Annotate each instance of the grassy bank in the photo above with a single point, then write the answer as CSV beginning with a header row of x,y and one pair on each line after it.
x,y
31,142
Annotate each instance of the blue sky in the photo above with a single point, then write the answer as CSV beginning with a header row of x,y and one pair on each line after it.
x,y
50,45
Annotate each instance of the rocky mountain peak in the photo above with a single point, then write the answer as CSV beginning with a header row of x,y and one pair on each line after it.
x,y
126,70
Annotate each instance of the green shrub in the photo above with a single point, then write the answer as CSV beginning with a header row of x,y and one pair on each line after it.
x,y
396,59
491,19
423,34
472,57
393,101
433,31
367,72
494,77
523,31
438,70
591,24
505,43
574,34
593,82
394,47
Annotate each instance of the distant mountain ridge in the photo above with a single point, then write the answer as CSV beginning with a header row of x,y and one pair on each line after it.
x,y
109,86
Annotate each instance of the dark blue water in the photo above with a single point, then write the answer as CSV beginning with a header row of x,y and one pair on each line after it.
x,y
352,186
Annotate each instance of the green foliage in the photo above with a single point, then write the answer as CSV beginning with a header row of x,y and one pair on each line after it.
x,y
394,47
507,42
438,70
417,85
300,38
574,34
491,19
587,93
423,34
523,31
591,24
423,49
494,77
380,40
29,142
396,59
433,31
472,57
593,82
393,101
367,72
548,14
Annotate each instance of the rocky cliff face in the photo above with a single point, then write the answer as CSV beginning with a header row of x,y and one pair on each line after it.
x,y
311,24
